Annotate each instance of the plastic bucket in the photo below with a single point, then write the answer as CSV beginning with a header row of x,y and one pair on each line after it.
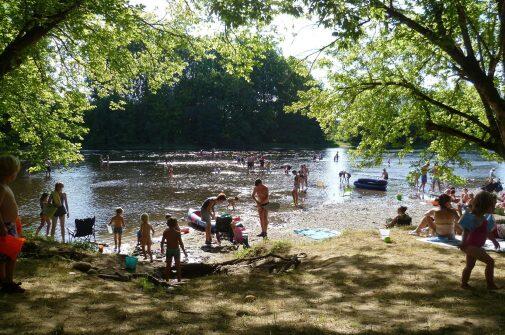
x,y
131,263
11,246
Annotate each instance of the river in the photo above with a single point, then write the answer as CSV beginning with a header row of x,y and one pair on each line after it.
x,y
138,182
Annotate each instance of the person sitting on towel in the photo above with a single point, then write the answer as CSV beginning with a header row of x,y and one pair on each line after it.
x,y
442,221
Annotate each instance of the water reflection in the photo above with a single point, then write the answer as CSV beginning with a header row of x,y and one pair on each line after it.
x,y
138,182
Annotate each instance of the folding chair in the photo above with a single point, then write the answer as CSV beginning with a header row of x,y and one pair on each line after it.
x,y
84,229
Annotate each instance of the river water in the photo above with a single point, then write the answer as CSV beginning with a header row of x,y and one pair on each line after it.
x,y
138,182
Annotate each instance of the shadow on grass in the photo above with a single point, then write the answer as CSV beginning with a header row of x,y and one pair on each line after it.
x,y
358,293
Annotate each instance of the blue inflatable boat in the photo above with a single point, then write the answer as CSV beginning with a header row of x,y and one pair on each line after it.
x,y
371,184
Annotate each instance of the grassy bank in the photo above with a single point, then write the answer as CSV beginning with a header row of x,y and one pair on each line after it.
x,y
352,284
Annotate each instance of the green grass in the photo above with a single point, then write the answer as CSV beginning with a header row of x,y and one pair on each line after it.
x,y
353,284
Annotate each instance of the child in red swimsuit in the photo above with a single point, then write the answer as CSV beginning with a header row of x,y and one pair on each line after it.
x,y
477,231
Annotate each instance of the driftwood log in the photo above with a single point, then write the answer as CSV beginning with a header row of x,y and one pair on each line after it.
x,y
270,262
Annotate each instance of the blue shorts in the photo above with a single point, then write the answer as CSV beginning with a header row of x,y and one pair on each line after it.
x,y
117,230
424,178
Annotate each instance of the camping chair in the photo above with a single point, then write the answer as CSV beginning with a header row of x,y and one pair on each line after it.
x,y
84,228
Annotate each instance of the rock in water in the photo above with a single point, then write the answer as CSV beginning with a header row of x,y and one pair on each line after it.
x,y
249,298
81,266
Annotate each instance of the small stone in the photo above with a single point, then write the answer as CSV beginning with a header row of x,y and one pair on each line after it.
x,y
81,266
249,298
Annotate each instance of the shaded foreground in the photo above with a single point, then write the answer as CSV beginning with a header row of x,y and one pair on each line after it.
x,y
351,284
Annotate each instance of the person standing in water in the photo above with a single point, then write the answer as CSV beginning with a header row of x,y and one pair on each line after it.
x,y
59,199
296,187
435,179
208,213
424,176
385,174
48,168
335,159
260,196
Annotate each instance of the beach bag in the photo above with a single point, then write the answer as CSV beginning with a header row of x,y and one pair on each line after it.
x,y
49,210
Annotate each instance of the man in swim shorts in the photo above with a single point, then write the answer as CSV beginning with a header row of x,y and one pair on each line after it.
x,y
208,213
424,175
260,196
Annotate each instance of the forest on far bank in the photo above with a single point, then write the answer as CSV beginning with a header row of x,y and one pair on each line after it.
x,y
209,107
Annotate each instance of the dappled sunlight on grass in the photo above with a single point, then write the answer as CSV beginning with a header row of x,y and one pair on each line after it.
x,y
352,284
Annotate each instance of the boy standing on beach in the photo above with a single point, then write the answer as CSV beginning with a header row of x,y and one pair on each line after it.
x,y
172,238
118,224
9,168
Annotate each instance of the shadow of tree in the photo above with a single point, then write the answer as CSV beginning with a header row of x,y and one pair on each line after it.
x,y
371,289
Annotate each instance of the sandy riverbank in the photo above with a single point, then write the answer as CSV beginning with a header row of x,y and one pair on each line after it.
x,y
357,212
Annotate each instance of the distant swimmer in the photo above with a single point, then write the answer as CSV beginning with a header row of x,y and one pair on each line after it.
x,y
385,174
347,177
341,176
287,168
335,158
424,176
296,187
250,162
262,161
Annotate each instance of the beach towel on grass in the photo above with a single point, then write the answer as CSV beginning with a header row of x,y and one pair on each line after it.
x,y
317,234
445,242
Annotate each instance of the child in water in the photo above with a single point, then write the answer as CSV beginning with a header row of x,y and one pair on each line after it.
x,y
232,202
44,217
402,219
172,238
118,224
477,230
145,236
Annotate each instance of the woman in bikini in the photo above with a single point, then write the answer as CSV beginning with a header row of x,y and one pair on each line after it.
x,y
59,199
442,220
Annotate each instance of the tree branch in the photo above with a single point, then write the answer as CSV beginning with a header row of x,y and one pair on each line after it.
x,y
431,126
425,97
462,21
13,54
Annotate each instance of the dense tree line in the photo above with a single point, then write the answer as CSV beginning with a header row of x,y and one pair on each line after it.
x,y
209,107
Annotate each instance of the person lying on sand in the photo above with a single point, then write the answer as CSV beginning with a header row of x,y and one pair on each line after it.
x,y
172,238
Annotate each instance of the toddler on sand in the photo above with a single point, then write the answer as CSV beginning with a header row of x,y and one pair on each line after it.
x,y
145,236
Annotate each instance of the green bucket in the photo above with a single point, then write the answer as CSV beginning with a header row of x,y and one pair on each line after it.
x,y
131,263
